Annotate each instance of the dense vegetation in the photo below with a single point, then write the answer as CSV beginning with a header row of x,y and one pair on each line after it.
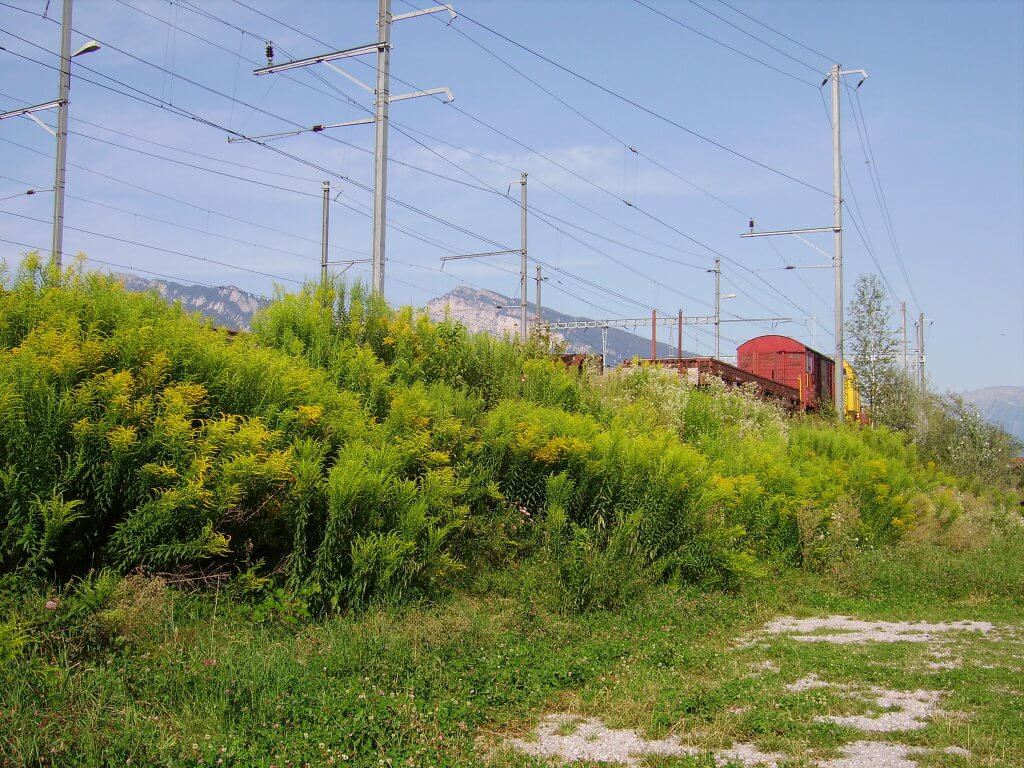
x,y
942,427
354,454
229,527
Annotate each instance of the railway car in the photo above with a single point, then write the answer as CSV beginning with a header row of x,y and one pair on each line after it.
x,y
784,371
697,370
790,362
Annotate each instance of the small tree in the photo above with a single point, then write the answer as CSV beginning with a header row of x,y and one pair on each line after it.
x,y
872,342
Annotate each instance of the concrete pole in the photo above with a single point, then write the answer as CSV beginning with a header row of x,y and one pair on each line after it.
x,y
718,304
837,223
604,345
679,334
654,334
920,353
63,93
522,258
324,234
903,312
382,97
538,313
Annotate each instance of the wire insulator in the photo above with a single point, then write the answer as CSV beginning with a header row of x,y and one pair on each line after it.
x,y
270,53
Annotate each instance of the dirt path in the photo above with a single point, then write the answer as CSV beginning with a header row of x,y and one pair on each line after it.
x,y
871,716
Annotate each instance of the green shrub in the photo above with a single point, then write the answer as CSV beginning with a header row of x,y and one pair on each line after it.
x,y
355,455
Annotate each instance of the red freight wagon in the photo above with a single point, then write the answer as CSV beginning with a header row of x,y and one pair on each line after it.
x,y
789,362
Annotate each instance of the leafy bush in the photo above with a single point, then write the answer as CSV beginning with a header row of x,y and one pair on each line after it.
x,y
354,455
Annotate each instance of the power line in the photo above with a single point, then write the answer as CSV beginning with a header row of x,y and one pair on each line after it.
x,y
830,59
206,232
856,213
574,74
185,113
611,135
502,133
880,193
594,184
185,280
160,249
195,206
641,107
179,110
745,55
755,37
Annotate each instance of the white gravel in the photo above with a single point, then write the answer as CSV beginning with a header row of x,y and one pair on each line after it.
x,y
569,738
843,630
808,683
891,710
910,710
573,739
873,754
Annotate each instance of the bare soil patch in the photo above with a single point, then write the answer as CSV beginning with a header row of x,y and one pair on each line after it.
x,y
843,630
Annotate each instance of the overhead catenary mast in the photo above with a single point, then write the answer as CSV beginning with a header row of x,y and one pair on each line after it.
x,y
64,93
523,261
835,75
838,368
382,99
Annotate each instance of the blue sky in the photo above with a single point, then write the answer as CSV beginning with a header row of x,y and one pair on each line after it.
x,y
943,110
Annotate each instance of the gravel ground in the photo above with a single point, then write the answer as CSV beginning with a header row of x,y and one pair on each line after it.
x,y
569,739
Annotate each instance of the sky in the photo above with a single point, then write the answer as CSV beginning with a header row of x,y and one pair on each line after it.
x,y
728,121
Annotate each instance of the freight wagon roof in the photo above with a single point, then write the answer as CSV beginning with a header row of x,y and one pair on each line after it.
x,y
774,342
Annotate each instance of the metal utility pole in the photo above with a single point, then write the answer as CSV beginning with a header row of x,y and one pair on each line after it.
x,y
63,93
679,330
522,257
654,334
61,134
903,312
538,314
718,304
325,233
523,262
837,224
382,99
920,353
834,74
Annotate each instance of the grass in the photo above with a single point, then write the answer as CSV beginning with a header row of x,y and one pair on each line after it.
x,y
443,684
386,542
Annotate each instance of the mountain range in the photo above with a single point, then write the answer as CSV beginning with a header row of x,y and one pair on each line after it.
x,y
496,314
1001,405
227,306
480,311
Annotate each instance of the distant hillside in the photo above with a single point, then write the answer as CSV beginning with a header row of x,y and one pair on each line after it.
x,y
1001,405
490,312
227,306
480,311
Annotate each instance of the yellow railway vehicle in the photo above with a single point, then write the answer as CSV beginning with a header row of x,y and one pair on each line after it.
x,y
851,395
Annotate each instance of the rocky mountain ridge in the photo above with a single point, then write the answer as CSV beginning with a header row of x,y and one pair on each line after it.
x,y
490,312
480,311
227,306
1001,405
